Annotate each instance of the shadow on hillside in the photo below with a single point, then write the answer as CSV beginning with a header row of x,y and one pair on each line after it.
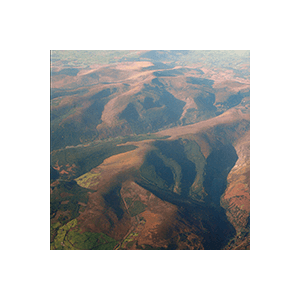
x,y
208,217
208,221
218,165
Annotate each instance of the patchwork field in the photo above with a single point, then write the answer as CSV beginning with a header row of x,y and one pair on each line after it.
x,y
70,237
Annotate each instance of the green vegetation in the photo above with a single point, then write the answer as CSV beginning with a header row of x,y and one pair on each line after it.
x,y
194,154
156,172
176,166
88,157
128,201
128,242
86,181
91,241
136,208
56,93
61,233
70,237
176,170
70,131
148,247
66,197
69,198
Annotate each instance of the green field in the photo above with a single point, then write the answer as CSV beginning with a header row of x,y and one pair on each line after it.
x,y
136,208
66,197
70,237
88,179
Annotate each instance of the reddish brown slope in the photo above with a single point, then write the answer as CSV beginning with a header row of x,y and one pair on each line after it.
x,y
158,226
225,128
230,127
236,199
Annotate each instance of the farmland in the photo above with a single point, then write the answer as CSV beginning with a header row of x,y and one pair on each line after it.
x,y
150,150
70,237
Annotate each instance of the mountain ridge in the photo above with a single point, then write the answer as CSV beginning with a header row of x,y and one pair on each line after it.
x,y
159,151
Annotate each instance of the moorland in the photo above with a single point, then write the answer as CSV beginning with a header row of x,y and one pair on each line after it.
x,y
150,150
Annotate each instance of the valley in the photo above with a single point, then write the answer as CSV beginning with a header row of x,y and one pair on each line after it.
x,y
150,150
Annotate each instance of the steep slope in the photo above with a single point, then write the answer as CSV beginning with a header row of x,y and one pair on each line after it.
x,y
118,207
152,153
162,194
225,175
89,104
175,176
236,199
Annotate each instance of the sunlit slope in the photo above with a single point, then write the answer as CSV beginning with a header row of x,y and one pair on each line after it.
x,y
174,171
150,150
101,101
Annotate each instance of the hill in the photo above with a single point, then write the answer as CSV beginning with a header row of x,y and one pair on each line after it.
x,y
132,98
150,150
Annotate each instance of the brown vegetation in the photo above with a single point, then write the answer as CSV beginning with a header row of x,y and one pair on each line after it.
x,y
158,224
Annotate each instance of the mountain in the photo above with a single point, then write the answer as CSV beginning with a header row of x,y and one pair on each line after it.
x,y
150,150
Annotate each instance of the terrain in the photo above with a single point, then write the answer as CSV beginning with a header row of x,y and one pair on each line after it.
x,y
150,150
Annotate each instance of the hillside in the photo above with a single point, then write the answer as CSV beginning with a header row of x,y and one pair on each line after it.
x,y
150,150
102,101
